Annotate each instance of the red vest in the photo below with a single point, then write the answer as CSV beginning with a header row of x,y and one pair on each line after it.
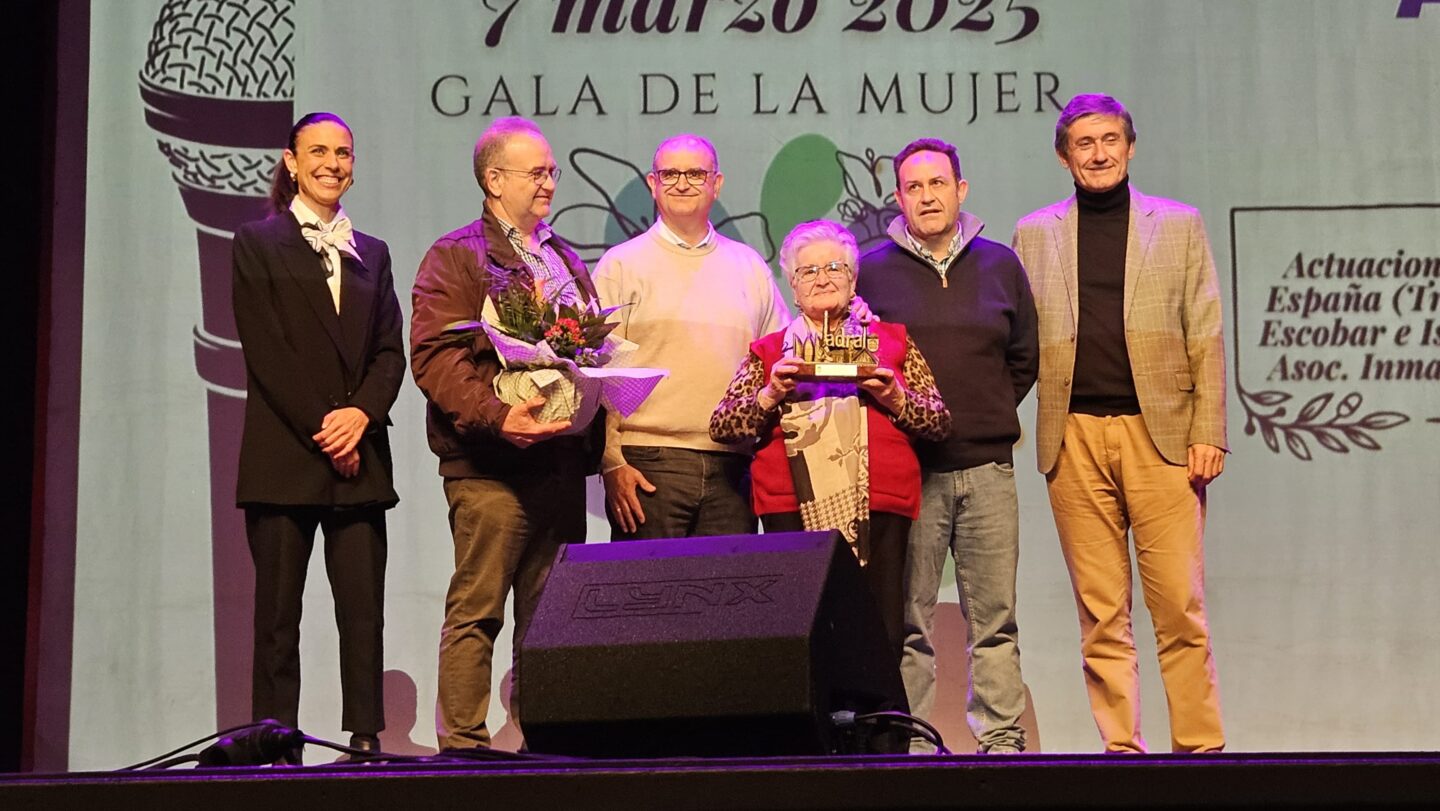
x,y
894,470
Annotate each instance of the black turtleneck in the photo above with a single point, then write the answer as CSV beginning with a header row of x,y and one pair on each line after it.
x,y
1103,384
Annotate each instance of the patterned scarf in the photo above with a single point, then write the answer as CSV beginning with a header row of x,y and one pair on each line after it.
x,y
827,442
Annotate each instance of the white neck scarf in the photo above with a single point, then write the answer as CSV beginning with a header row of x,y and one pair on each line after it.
x,y
327,239
827,444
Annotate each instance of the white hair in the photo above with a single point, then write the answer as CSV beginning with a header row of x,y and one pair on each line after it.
x,y
809,233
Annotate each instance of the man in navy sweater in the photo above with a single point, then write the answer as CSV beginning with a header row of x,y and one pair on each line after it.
x,y
967,304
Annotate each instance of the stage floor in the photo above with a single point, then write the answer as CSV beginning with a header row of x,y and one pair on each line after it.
x,y
1334,780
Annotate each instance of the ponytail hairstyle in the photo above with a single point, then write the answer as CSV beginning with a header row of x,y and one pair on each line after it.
x,y
282,184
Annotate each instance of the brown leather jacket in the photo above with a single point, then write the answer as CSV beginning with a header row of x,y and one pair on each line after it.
x,y
463,415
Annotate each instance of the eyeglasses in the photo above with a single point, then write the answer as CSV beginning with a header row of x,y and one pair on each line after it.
x,y
537,176
669,177
809,274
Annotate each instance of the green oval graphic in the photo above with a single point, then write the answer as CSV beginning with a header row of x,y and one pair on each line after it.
x,y
804,182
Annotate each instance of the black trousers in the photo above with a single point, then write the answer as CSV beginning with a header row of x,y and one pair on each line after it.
x,y
355,547
884,573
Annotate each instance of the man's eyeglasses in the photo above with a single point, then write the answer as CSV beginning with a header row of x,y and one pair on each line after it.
x,y
836,271
537,176
669,177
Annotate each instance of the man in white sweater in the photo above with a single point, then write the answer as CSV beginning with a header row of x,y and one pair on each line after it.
x,y
694,302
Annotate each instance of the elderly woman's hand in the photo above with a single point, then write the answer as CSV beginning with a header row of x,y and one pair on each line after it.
x,y
782,382
886,390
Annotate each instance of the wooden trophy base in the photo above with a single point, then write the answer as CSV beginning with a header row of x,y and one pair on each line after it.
x,y
836,372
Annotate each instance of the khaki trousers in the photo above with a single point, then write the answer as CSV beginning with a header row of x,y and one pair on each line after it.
x,y
1108,482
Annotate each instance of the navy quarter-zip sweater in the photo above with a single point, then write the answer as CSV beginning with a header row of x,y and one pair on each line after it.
x,y
977,329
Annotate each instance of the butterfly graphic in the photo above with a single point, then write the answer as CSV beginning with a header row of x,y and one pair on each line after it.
x,y
619,207
869,203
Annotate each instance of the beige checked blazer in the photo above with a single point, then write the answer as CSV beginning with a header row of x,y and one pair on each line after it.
x,y
1172,322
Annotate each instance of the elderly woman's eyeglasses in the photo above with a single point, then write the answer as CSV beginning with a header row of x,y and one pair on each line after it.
x,y
669,177
809,274
537,176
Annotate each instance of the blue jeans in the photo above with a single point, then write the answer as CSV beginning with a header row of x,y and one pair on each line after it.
x,y
975,515
696,493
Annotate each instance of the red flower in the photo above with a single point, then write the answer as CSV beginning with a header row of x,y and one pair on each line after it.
x,y
567,328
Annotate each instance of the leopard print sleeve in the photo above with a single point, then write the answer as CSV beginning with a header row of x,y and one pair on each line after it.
x,y
739,416
924,414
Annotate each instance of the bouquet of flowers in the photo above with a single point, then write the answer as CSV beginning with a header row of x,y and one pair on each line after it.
x,y
563,351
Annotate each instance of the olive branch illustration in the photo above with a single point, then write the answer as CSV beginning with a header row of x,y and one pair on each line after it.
x,y
1265,412
1268,412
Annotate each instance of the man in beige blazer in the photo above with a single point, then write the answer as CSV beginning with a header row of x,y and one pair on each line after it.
x,y
1131,419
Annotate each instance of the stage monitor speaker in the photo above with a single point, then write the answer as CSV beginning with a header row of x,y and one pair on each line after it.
x,y
724,646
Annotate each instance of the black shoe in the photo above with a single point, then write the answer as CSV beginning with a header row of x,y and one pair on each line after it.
x,y
365,742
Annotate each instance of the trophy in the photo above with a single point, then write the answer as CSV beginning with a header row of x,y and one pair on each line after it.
x,y
218,89
841,355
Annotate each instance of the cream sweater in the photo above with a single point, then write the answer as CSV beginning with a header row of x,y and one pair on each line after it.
x,y
693,312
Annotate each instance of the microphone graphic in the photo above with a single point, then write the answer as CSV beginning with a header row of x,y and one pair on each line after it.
x,y
218,88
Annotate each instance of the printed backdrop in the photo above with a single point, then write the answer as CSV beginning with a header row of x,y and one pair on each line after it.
x,y
1304,130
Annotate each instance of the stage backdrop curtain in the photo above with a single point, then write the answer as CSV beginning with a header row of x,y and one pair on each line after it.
x,y
1303,130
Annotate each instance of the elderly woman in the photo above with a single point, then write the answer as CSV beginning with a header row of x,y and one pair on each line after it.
x,y
836,454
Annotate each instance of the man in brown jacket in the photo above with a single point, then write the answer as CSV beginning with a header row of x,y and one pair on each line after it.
x,y
516,489
1130,419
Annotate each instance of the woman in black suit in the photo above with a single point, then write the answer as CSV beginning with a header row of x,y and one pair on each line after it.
x,y
320,325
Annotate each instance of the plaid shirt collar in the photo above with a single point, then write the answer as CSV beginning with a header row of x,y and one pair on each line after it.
x,y
546,263
543,232
940,263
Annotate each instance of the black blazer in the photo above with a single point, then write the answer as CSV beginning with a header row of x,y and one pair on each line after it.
x,y
302,360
